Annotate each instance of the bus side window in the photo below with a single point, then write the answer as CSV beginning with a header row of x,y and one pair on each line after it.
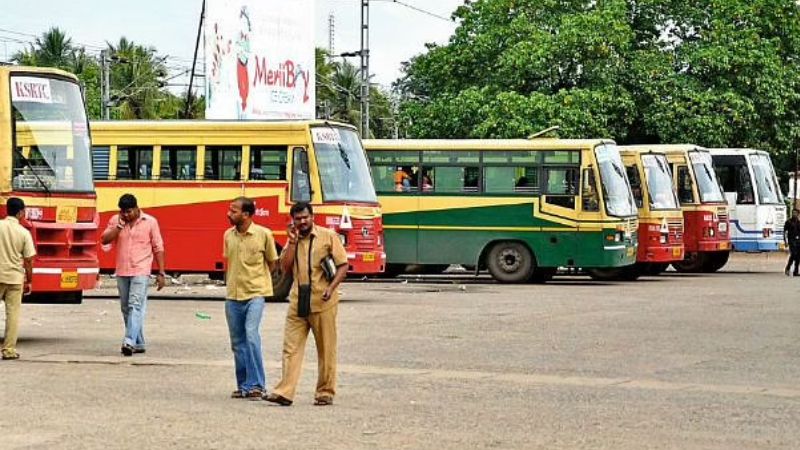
x,y
448,179
589,194
561,186
383,177
134,163
685,194
510,180
100,162
301,182
178,162
636,185
223,163
267,163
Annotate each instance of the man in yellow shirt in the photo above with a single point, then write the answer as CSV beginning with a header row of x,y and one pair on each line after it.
x,y
251,256
16,270
304,255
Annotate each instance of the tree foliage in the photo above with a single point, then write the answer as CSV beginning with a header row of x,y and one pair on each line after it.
x,y
719,74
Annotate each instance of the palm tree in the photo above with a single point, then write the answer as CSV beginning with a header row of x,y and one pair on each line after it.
x,y
52,49
137,77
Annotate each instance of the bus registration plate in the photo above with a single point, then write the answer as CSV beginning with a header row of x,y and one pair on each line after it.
x,y
630,251
724,245
69,280
369,257
66,214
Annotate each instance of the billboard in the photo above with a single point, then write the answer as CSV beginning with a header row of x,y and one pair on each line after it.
x,y
259,59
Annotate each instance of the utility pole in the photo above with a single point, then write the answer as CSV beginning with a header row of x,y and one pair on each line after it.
x,y
331,34
105,85
365,69
189,96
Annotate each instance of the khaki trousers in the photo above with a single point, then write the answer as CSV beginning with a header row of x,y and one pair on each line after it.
x,y
323,325
12,296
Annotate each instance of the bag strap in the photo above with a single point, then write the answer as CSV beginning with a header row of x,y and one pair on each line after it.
x,y
310,248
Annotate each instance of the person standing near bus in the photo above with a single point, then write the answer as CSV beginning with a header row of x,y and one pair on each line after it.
x,y
250,254
16,270
318,261
791,237
138,240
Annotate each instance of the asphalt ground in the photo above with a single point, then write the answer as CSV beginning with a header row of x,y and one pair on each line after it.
x,y
677,361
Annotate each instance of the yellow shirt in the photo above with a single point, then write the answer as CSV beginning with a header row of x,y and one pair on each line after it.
x,y
16,244
326,242
247,275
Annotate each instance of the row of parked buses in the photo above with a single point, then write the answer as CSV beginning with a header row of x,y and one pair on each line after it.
x,y
520,208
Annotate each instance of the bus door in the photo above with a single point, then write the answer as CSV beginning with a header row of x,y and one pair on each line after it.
x,y
559,204
734,175
268,183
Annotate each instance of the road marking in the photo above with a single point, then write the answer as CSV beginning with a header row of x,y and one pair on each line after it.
x,y
530,379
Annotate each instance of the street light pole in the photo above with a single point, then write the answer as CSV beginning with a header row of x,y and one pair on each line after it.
x,y
365,69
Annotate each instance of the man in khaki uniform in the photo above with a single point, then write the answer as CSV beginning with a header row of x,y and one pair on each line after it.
x,y
306,240
16,270
251,256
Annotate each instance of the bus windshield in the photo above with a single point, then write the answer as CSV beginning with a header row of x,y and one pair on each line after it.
x,y
616,189
768,193
707,184
51,136
659,182
343,169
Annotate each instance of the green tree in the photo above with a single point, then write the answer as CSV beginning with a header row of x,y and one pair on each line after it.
x,y
137,78
639,71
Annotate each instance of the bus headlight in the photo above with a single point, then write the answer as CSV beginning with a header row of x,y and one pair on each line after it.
x,y
711,232
663,239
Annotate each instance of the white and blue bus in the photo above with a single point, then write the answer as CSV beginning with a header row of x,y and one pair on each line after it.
x,y
757,211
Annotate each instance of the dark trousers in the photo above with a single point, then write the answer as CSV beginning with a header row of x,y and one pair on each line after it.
x,y
794,256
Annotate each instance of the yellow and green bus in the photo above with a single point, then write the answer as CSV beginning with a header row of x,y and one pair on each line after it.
x,y
519,208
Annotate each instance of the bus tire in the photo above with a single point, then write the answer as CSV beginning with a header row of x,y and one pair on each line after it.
x,y
693,263
510,262
281,286
542,275
716,261
655,269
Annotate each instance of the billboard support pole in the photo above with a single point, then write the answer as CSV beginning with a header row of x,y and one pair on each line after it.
x,y
189,96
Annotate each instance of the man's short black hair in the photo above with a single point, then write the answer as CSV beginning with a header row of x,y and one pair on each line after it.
x,y
300,207
14,205
248,205
127,201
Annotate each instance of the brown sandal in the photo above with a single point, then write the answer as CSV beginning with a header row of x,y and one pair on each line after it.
x,y
279,399
237,394
323,401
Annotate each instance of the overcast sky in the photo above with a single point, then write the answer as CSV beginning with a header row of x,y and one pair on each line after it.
x,y
397,32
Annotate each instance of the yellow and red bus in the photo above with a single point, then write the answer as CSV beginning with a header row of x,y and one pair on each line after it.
x,y
660,216
45,147
706,238
185,173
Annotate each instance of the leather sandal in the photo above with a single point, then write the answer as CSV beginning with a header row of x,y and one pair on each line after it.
x,y
279,399
323,401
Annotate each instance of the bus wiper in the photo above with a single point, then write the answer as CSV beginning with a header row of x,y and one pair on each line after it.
x,y
343,155
33,171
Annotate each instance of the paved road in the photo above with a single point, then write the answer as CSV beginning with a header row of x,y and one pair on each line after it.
x,y
680,361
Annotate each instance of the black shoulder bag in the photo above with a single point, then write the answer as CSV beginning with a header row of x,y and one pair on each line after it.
x,y
304,290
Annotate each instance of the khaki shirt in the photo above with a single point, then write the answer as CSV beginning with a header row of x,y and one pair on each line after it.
x,y
16,244
247,275
326,242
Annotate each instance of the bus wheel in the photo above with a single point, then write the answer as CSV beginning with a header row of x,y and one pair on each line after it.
x,y
693,263
654,269
716,261
542,275
510,262
281,285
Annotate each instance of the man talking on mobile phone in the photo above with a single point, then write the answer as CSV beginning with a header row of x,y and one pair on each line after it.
x,y
313,304
138,240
